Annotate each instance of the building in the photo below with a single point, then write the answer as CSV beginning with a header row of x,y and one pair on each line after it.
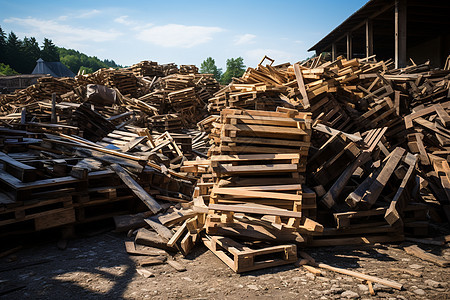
x,y
55,69
9,84
398,29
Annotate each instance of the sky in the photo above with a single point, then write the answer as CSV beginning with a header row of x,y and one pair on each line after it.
x,y
181,32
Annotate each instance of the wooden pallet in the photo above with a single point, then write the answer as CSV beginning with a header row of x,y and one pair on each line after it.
x,y
100,209
40,189
37,215
288,196
361,219
252,131
244,259
331,159
257,164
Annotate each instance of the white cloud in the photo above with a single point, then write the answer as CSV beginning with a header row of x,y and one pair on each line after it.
x,y
136,26
88,14
176,35
123,20
244,39
279,56
62,34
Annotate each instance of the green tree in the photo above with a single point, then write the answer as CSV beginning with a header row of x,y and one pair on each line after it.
x,y
111,63
31,53
2,46
235,68
13,51
85,70
7,70
49,51
74,60
208,66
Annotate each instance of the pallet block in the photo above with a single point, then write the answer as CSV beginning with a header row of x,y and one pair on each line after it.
x,y
244,259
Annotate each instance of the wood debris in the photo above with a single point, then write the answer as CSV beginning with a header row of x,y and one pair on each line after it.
x,y
292,155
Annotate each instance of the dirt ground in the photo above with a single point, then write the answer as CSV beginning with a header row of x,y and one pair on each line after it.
x,y
99,268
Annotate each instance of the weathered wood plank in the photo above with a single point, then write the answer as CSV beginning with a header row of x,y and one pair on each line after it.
x,y
136,188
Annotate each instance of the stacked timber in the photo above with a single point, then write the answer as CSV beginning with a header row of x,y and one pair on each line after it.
x,y
311,154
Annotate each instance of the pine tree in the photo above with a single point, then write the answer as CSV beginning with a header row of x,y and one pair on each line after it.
x,y
2,46
49,51
13,51
208,66
31,53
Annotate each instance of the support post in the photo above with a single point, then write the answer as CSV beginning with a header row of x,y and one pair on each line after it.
x,y
400,33
369,37
53,119
333,52
349,46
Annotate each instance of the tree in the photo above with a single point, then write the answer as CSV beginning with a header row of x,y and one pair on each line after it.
x,y
13,51
85,70
208,66
2,46
75,60
7,70
31,53
235,68
49,51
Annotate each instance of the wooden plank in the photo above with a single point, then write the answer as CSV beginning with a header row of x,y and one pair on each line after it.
x,y
443,115
420,253
152,239
19,185
282,187
137,189
265,129
331,131
392,213
371,195
177,236
276,121
130,247
252,157
176,265
264,141
19,170
255,169
255,194
127,222
329,199
256,209
176,216
162,230
386,282
152,261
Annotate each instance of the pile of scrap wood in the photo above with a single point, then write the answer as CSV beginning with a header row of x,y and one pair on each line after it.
x,y
313,154
143,91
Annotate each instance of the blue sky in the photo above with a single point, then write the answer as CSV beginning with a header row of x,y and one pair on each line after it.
x,y
183,32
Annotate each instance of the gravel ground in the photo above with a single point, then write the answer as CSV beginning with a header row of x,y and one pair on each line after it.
x,y
99,268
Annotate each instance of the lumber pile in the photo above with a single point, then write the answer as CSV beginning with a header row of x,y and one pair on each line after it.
x,y
317,153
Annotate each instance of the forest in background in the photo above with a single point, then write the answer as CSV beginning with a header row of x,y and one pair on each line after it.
x,y
19,56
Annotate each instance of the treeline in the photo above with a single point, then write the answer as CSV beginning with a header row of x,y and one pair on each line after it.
x,y
75,61
20,56
235,68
